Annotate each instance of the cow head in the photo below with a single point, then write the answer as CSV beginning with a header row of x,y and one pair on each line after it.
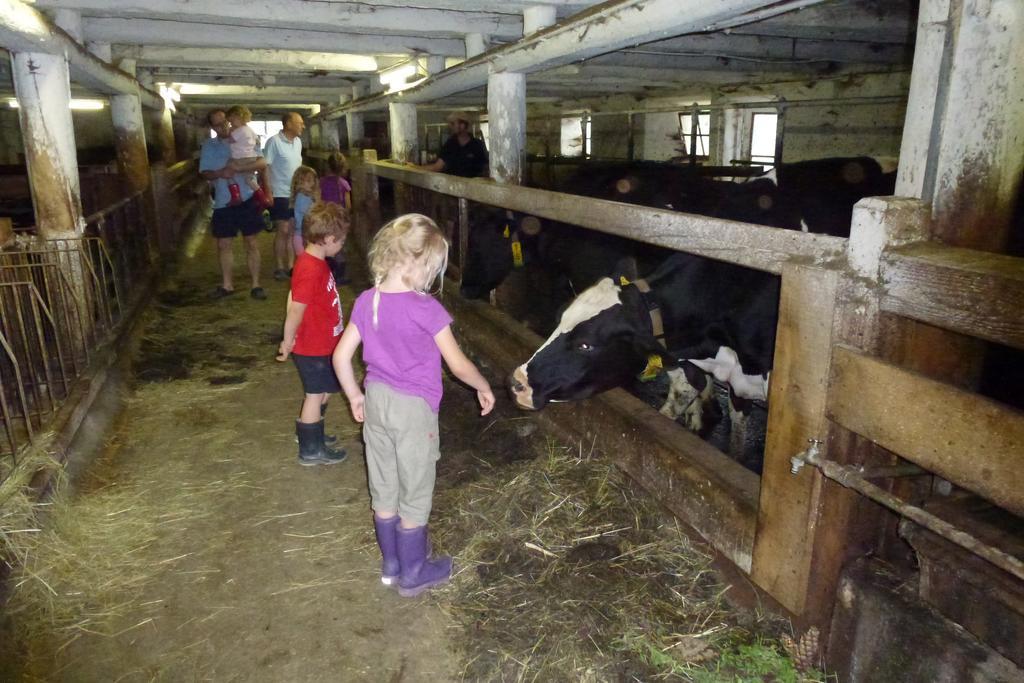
x,y
602,341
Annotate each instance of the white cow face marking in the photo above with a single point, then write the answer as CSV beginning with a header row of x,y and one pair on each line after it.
x,y
587,353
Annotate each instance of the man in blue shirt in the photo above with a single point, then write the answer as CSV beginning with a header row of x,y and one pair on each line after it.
x,y
216,166
283,153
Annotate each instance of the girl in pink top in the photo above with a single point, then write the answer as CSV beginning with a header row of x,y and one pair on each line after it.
x,y
336,190
405,333
333,186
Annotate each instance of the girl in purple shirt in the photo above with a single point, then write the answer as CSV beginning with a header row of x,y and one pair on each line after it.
x,y
405,333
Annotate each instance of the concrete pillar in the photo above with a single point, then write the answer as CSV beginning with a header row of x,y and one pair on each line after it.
x,y
506,115
965,119
69,21
402,128
43,89
475,45
435,64
537,17
130,140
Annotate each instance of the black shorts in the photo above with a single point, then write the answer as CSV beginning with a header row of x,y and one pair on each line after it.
x,y
280,211
245,218
317,374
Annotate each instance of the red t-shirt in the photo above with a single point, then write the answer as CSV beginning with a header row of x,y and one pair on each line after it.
x,y
313,285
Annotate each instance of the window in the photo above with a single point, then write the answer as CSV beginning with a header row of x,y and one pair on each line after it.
x,y
763,130
575,138
265,129
703,132
485,133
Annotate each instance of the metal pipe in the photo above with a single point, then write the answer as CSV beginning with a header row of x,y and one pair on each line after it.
x,y
851,478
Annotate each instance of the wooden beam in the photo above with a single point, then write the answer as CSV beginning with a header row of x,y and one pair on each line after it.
x,y
257,58
234,78
972,292
280,92
755,52
350,17
744,244
24,29
192,34
607,27
965,438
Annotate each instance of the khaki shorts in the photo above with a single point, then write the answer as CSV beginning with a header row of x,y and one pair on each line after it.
x,y
402,448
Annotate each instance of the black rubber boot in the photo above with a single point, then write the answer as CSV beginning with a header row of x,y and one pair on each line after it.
x,y
312,450
328,438
328,455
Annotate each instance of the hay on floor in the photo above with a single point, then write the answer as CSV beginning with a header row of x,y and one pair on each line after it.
x,y
567,571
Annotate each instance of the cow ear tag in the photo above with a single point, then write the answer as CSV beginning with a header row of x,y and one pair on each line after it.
x,y
653,368
517,254
517,248
623,281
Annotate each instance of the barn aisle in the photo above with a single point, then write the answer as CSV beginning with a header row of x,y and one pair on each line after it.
x,y
210,553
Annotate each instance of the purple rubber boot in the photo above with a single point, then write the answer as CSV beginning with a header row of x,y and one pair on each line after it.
x,y
418,571
387,540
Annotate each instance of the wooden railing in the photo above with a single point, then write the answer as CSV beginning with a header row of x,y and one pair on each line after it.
x,y
827,384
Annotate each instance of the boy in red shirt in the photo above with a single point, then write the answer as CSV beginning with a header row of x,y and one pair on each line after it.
x,y
312,326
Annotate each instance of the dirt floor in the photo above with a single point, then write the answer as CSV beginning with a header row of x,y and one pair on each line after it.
x,y
210,554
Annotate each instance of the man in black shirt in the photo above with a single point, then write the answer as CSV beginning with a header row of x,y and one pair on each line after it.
x,y
462,154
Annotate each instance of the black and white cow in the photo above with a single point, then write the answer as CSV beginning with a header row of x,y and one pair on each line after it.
x,y
816,195
718,321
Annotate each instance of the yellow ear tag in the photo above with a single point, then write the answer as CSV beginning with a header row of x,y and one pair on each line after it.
x,y
517,254
653,368
506,233
623,281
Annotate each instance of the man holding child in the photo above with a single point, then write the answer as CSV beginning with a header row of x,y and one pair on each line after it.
x,y
217,166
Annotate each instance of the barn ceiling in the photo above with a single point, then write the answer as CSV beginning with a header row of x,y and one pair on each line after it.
x,y
272,52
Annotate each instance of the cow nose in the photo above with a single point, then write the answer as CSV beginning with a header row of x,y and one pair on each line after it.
x,y
515,385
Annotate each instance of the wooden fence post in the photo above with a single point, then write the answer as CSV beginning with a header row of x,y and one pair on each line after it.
x,y
808,527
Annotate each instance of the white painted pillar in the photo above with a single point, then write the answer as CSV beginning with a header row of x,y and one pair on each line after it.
x,y
506,116
70,21
475,44
434,64
402,128
130,140
43,88
961,148
537,17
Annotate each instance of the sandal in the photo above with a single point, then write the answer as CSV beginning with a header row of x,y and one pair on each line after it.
x,y
220,293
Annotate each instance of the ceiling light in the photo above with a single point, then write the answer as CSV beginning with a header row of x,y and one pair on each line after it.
x,y
77,104
397,78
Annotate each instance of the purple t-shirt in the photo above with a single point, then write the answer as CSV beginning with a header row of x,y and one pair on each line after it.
x,y
333,189
401,351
